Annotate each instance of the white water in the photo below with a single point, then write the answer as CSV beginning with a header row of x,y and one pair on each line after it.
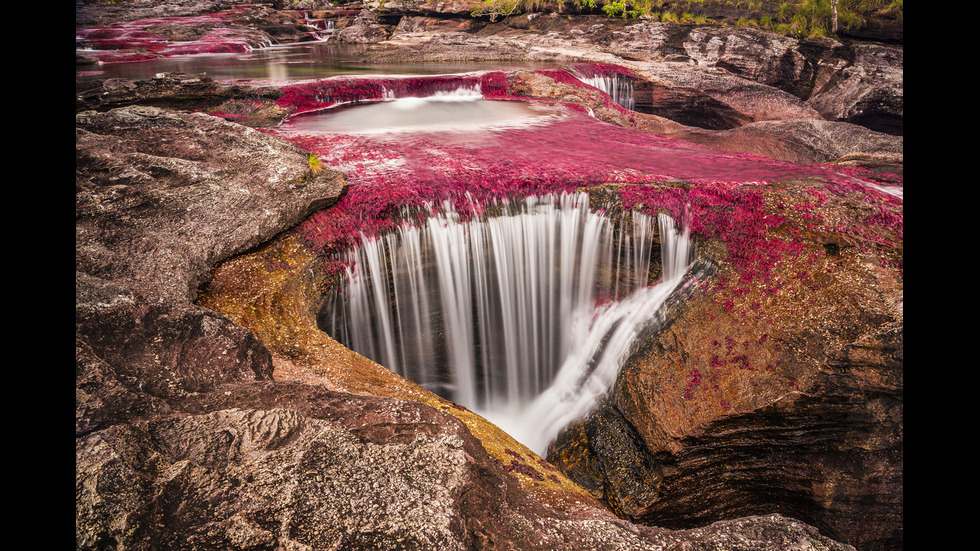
x,y
320,29
619,89
500,314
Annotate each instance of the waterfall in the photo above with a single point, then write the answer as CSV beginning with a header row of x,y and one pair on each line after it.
x,y
524,313
464,93
620,89
320,29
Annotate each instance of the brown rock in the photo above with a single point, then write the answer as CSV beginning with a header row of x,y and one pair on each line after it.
x,y
157,180
152,188
801,141
756,400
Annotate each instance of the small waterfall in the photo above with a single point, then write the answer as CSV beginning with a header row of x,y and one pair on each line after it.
x,y
524,316
619,87
320,29
462,93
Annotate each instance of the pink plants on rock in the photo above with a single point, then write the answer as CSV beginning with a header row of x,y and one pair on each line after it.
x,y
133,41
719,195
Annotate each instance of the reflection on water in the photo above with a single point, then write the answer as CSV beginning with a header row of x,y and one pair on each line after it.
x,y
295,61
307,60
458,111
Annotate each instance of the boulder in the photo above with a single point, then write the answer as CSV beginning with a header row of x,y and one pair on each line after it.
x,y
803,141
158,181
152,188
867,90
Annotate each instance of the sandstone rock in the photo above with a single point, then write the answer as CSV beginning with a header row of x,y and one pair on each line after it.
x,y
743,100
284,23
178,90
802,141
152,188
869,90
740,408
158,181
364,29
297,465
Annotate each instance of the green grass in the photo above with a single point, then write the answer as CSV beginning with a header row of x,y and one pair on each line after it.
x,y
806,18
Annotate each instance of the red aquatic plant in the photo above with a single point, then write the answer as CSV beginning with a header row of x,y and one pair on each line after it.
x,y
716,194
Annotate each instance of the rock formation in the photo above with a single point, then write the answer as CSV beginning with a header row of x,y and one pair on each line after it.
x,y
211,413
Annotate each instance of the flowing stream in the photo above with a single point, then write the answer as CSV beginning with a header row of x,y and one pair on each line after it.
x,y
619,89
523,315
462,109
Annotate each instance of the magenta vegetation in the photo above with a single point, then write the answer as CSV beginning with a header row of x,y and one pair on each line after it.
x,y
137,40
720,195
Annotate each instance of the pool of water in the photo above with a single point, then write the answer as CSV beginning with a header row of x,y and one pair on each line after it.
x,y
460,111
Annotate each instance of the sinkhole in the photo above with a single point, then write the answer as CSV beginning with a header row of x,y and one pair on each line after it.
x,y
523,314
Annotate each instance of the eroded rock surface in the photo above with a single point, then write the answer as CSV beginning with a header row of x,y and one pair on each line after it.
x,y
160,196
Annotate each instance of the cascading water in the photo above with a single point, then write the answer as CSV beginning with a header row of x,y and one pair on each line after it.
x,y
619,88
320,29
524,316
